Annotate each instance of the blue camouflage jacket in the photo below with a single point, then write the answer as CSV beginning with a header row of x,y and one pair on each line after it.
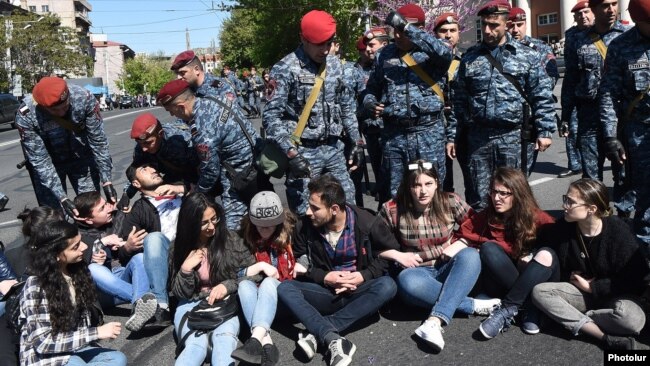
x,y
364,116
402,92
254,83
292,80
626,76
47,144
214,86
484,97
217,138
547,56
584,67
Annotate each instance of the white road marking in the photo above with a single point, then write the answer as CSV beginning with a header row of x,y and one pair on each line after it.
x,y
540,181
9,223
10,142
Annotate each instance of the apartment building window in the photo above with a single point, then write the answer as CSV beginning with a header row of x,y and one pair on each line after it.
x,y
32,9
479,32
546,19
45,8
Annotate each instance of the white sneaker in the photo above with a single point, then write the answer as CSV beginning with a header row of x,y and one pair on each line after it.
x,y
307,343
341,352
431,333
484,307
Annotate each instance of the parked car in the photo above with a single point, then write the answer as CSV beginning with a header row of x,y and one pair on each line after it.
x,y
126,101
8,107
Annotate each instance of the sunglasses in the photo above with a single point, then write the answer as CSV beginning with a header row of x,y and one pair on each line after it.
x,y
425,165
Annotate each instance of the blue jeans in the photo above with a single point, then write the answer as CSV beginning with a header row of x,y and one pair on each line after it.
x,y
259,303
224,340
322,312
97,356
443,288
156,254
123,284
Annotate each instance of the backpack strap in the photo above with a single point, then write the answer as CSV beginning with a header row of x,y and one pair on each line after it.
x,y
413,65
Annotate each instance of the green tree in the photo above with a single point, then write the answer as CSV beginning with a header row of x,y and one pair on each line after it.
x,y
142,73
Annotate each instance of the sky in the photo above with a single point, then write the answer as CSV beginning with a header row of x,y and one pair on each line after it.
x,y
151,26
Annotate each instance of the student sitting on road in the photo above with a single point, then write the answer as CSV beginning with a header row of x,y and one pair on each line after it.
x,y
345,279
98,223
268,232
208,261
438,272
505,234
602,269
56,302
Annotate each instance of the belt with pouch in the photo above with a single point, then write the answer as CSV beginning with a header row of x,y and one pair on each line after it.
x,y
311,143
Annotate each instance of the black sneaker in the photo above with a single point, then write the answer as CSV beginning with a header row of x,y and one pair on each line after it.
x,y
568,173
250,351
270,355
623,343
341,352
162,319
143,310
3,202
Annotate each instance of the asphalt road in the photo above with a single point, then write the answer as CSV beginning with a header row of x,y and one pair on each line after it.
x,y
382,340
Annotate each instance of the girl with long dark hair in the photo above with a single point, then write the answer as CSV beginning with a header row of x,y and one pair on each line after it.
x,y
505,234
602,270
438,272
56,302
208,261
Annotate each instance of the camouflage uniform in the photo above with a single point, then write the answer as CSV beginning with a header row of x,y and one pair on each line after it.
x,y
461,146
627,75
217,138
584,68
238,87
214,86
573,153
254,84
352,79
489,108
56,153
413,113
292,80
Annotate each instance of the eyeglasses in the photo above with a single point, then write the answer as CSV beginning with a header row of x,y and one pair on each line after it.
x,y
568,202
214,221
423,165
502,194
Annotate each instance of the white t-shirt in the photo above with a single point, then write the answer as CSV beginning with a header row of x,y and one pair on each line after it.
x,y
168,209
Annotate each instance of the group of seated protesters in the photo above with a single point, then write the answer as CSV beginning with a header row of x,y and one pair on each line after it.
x,y
329,269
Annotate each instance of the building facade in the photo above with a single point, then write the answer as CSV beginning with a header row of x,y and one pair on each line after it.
x,y
109,61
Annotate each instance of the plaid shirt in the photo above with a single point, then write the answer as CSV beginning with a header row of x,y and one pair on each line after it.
x,y
428,239
39,346
344,257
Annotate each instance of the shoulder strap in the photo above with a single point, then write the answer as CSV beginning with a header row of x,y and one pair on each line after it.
x,y
66,124
410,62
634,102
306,110
600,45
497,65
451,72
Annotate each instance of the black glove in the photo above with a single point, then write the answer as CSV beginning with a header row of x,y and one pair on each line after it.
x,y
563,128
357,156
110,193
396,21
68,207
124,202
298,168
370,104
614,150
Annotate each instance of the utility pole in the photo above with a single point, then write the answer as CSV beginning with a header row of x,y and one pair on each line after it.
x,y
187,39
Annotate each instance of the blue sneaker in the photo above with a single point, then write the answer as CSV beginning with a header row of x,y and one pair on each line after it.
x,y
501,318
530,323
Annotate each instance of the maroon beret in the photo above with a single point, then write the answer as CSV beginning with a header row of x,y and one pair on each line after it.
x,y
412,13
517,14
143,126
361,44
580,5
376,32
171,90
639,10
317,26
50,91
494,7
183,59
445,18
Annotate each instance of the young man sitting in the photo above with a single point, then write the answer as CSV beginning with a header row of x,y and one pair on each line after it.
x,y
98,222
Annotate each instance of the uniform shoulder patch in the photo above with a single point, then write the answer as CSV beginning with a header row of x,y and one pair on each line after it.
x,y
216,84
23,110
271,87
203,151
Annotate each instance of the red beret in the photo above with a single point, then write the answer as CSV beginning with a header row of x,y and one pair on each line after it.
x,y
50,91
183,59
594,3
494,7
412,13
245,73
143,126
639,10
580,5
445,18
361,44
376,32
517,14
317,26
171,90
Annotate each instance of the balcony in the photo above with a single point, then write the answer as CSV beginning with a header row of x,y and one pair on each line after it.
x,y
84,3
83,17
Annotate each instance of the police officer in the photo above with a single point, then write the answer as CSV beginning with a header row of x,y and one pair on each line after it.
x,y
168,146
491,108
255,86
584,69
584,19
231,78
411,107
320,149
217,139
62,136
446,27
625,106
188,67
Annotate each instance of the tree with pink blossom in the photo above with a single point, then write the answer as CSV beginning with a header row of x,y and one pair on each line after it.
x,y
466,10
